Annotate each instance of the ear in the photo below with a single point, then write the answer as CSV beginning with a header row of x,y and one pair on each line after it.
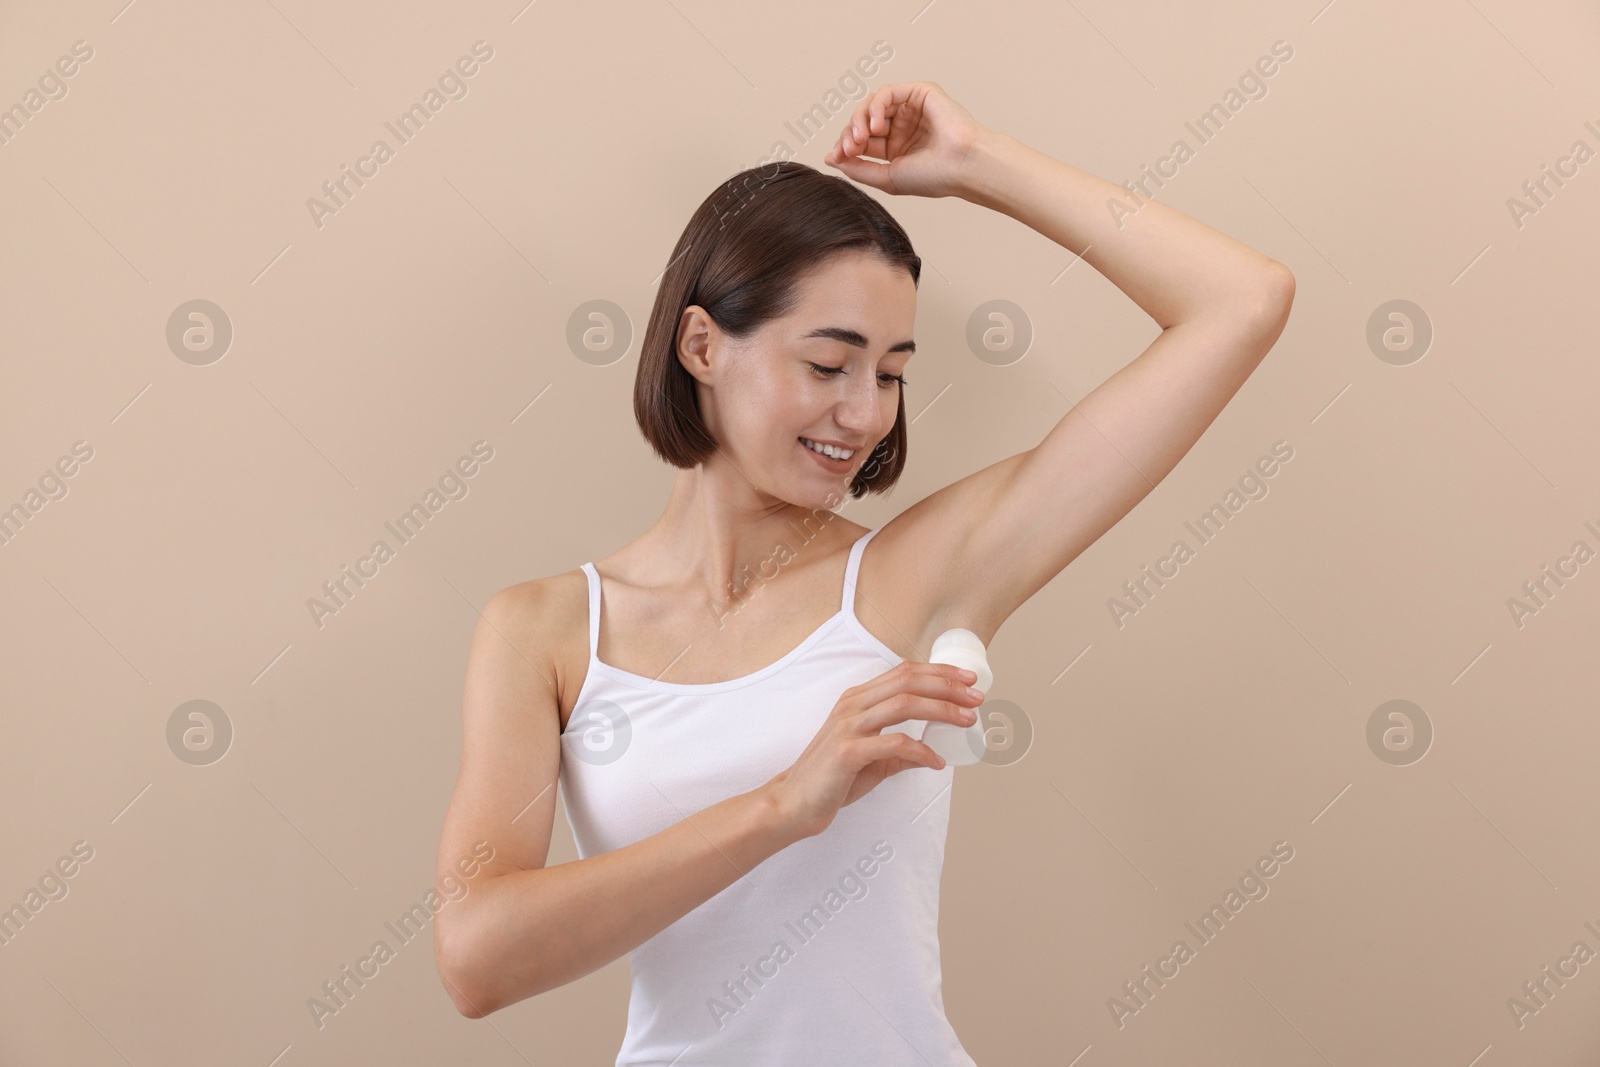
x,y
697,336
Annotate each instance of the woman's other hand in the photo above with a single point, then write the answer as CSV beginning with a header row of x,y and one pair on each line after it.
x,y
852,752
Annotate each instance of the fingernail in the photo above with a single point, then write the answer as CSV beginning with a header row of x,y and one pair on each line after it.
x,y
976,694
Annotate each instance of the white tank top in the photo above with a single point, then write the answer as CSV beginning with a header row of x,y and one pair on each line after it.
x,y
828,951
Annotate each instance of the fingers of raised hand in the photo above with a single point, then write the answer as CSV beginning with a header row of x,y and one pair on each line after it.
x,y
867,132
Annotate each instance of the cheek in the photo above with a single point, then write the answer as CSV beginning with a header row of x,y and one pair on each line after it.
x,y
764,408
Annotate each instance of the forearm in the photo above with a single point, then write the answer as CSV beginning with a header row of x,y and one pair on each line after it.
x,y
1174,267
526,932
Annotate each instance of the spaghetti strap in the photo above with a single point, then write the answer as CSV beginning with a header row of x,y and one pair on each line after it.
x,y
594,610
847,600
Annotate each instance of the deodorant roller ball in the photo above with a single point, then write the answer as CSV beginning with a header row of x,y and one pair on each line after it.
x,y
960,745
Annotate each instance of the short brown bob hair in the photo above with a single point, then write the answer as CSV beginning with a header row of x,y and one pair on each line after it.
x,y
740,257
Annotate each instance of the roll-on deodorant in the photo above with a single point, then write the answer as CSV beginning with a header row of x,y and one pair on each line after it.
x,y
960,745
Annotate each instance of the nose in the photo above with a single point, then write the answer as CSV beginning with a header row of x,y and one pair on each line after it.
x,y
858,411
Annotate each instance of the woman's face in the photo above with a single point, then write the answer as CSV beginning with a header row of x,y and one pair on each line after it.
x,y
763,398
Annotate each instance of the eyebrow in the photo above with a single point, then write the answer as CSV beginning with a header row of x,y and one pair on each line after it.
x,y
852,337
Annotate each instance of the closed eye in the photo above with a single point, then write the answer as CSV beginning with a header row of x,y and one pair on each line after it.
x,y
885,378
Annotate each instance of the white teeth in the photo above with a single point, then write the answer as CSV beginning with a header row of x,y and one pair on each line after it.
x,y
827,450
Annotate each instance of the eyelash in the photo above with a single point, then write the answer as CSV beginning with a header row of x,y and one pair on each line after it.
x,y
829,372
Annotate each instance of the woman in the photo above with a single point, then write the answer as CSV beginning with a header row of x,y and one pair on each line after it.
x,y
732,770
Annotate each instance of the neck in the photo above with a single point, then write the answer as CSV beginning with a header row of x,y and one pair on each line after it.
x,y
719,537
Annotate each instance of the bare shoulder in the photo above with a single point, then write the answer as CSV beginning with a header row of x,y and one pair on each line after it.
x,y
538,626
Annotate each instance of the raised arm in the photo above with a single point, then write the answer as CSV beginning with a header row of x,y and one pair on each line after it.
x,y
1007,530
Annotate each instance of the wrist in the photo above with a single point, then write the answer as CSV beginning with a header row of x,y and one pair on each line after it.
x,y
780,811
982,173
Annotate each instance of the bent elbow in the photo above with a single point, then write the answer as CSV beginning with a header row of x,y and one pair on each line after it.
x,y
1264,310
467,1005
459,975
1280,289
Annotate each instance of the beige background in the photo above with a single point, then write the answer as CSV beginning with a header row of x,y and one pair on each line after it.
x,y
431,311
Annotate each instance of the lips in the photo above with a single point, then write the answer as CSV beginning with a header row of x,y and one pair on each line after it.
x,y
852,449
836,466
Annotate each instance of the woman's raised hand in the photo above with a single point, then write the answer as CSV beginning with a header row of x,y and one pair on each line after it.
x,y
928,139
850,754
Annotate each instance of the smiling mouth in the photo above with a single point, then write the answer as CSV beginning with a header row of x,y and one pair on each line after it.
x,y
829,462
817,446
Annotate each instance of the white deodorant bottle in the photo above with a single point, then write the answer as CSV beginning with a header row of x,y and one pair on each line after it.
x,y
960,745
